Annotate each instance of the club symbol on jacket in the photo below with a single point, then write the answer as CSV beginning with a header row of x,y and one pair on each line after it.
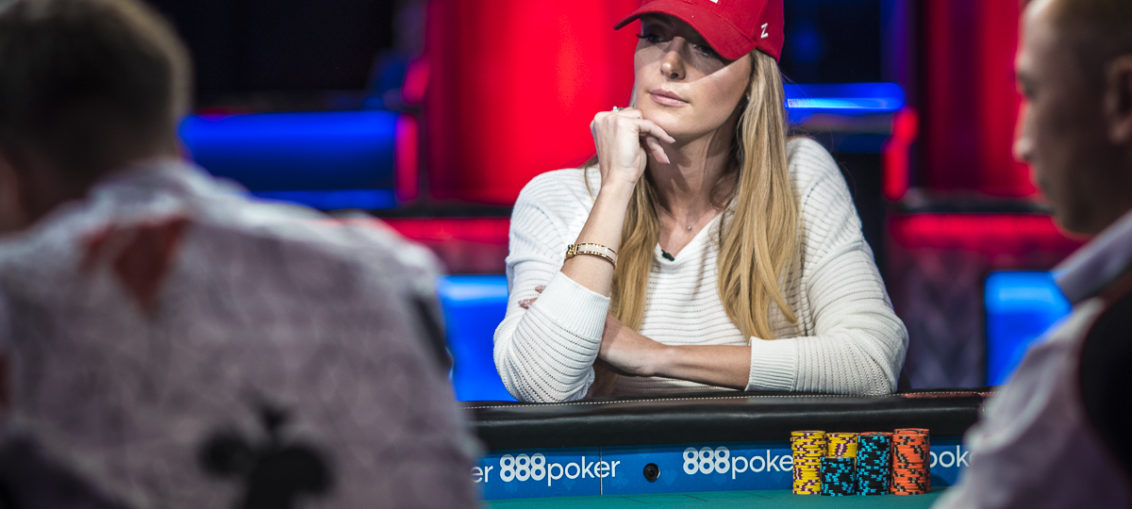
x,y
275,473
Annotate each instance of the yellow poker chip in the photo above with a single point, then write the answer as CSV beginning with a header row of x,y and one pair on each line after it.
x,y
807,487
842,445
808,447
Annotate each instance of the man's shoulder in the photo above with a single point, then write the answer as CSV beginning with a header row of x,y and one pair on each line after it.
x,y
357,243
1106,353
207,226
214,207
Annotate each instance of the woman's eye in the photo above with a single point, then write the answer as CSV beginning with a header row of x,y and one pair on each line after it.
x,y
650,37
705,50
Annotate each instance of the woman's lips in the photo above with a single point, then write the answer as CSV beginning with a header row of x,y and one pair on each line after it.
x,y
666,98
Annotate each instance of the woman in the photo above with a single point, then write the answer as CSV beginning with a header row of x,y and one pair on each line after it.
x,y
714,253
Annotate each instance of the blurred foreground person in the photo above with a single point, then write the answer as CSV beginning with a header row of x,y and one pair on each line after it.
x,y
175,344
1057,434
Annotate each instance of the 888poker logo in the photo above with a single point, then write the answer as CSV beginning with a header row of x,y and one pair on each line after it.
x,y
629,470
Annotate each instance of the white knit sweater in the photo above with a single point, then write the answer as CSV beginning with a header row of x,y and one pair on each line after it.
x,y
847,339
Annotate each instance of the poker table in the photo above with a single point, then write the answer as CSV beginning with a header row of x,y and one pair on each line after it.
x,y
696,450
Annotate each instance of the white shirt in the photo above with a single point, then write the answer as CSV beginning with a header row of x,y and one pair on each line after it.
x,y
1034,447
164,311
847,338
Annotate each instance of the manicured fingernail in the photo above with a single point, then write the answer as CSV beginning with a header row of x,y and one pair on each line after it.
x,y
540,288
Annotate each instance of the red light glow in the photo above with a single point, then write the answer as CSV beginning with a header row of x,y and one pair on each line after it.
x,y
514,85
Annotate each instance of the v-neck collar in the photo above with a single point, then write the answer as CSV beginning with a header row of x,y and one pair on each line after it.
x,y
694,246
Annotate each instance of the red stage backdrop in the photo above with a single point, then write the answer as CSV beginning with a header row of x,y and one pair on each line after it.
x,y
513,85
970,101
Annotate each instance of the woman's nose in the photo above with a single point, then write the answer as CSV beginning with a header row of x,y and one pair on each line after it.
x,y
672,63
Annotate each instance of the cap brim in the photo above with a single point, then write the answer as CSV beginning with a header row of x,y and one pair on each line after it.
x,y
723,37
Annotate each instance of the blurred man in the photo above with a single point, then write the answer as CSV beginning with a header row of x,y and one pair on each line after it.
x,y
176,344
1057,434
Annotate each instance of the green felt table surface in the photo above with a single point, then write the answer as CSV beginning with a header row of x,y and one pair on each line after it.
x,y
720,499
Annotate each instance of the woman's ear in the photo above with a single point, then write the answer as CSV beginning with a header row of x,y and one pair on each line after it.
x,y
1118,100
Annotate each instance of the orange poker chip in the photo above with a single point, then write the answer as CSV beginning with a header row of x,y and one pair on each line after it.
x,y
910,461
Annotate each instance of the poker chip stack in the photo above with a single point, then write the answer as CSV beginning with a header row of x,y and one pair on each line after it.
x,y
808,447
838,472
874,463
837,477
910,456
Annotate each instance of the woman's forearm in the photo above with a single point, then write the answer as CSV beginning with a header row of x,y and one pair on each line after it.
x,y
632,353
603,226
721,365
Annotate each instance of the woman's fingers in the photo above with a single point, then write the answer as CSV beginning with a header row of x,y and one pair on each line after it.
x,y
607,116
656,149
650,128
526,303
624,142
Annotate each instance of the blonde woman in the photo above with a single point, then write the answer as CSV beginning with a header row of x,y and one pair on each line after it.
x,y
702,249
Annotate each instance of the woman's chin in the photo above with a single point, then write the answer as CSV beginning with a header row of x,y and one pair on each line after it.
x,y
666,120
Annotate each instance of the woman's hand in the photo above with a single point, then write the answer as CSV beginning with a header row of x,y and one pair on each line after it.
x,y
627,351
621,137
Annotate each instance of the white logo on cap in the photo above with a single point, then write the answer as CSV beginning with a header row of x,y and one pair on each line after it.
x,y
765,35
714,1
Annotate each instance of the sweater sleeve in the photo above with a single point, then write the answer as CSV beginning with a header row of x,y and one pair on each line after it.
x,y
546,353
857,342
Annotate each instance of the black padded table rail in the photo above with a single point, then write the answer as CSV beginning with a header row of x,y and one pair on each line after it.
x,y
728,417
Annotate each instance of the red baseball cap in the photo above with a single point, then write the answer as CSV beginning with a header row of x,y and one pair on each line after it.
x,y
732,27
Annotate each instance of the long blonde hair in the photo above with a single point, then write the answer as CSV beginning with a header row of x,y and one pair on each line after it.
x,y
757,240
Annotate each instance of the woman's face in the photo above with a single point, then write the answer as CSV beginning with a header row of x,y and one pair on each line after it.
x,y
683,85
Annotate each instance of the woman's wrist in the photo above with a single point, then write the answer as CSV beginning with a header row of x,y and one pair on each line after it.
x,y
661,359
615,191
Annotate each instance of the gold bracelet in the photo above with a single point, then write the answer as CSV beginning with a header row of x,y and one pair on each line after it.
x,y
592,249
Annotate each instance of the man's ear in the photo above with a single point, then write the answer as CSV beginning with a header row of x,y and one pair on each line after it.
x,y
13,216
1118,100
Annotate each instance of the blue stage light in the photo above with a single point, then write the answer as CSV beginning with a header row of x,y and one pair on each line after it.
x,y
473,307
1020,307
844,98
328,160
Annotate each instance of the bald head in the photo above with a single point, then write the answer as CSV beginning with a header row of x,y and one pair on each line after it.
x,y
1095,31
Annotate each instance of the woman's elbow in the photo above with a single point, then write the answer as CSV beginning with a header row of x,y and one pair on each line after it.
x,y
538,393
868,382
873,367
526,384
510,373
881,386
883,373
883,354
